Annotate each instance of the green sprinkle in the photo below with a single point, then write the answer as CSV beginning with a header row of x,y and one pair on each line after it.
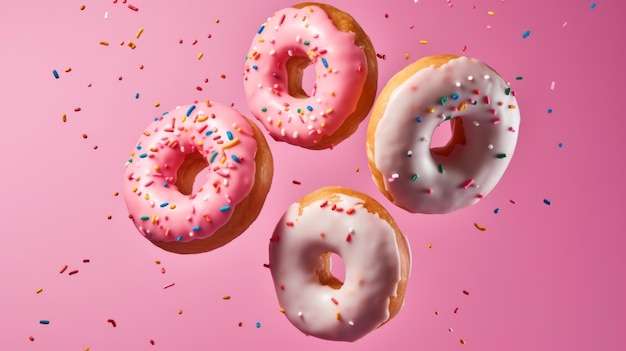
x,y
414,177
145,218
264,109
299,110
443,100
507,91
213,156
519,78
130,160
306,42
501,155
441,170
447,118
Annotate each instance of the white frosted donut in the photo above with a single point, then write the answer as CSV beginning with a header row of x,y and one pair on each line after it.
x,y
344,59
484,117
375,253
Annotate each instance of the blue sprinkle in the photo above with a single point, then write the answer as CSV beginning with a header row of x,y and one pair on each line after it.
x,y
547,202
165,203
229,135
138,147
560,144
496,210
549,110
255,67
165,113
224,208
44,321
455,96
310,108
55,73
208,133
179,238
236,159
593,5
526,34
191,108
136,95
324,62
143,155
260,29
165,184
196,228
419,119
258,324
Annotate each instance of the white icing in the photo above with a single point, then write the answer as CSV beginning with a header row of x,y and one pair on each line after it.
x,y
491,129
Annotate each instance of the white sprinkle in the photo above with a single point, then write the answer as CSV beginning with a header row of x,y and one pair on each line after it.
x,y
351,230
470,77
106,15
450,330
409,153
486,76
552,85
300,314
351,322
395,176
298,39
282,132
295,134
272,52
490,147
476,123
458,84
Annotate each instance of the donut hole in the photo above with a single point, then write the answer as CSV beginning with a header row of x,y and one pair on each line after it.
x,y
192,173
446,136
332,271
300,77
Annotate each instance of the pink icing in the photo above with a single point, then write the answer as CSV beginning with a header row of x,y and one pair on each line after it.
x,y
367,245
425,182
340,67
224,138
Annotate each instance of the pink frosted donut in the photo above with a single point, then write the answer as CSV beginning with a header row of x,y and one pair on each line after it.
x,y
485,120
160,174
375,253
346,75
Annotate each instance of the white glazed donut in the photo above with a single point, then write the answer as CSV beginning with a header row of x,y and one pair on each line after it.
x,y
484,117
375,253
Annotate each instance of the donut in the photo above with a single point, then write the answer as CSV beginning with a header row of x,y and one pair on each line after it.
x,y
172,150
346,75
484,118
375,253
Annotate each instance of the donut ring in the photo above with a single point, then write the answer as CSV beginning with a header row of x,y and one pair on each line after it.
x,y
484,118
169,154
377,262
346,70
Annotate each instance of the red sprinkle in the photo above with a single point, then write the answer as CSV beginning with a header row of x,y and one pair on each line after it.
x,y
266,265
323,204
73,272
456,310
112,322
289,224
348,238
132,7
334,301
77,109
465,292
151,342
31,338
296,182
63,269
86,260
350,211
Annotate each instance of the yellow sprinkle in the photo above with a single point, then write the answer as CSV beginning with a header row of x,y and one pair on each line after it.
x,y
282,310
86,349
512,107
184,119
338,315
122,42
156,167
146,133
261,40
157,261
432,110
82,7
134,189
491,13
226,297
39,290
479,227
154,218
156,104
139,33
279,123
105,43
332,93
203,118
115,193
132,45
462,106
172,206
223,160
329,111
430,246
208,103
423,41
323,124
200,56
406,56
64,117
357,169
147,196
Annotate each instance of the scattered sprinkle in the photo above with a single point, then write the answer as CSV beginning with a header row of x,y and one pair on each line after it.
x,y
496,210
44,321
105,43
226,297
526,34
112,322
462,341
296,182
465,292
258,324
38,291
423,42
592,5
63,269
139,33
479,227
82,7
168,286
560,144
547,202
55,73
133,8
73,272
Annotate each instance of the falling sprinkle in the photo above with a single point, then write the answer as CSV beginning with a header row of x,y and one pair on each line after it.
x,y
560,144
31,338
465,292
44,321
258,324
38,291
63,269
526,34
64,118
200,55
552,85
82,7
226,297
491,13
55,73
479,227
423,42
462,341
496,210
592,5
105,43
296,182
112,322
547,202
168,286
139,33
133,8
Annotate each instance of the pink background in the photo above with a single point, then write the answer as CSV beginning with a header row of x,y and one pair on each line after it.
x,y
540,277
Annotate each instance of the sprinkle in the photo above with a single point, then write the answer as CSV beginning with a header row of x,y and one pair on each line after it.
x,y
443,100
44,321
296,182
519,78
465,292
235,158
547,202
462,341
73,272
233,142
490,13
414,177
31,338
169,285
324,62
105,43
196,228
592,6
560,144
200,56
224,208
86,260
552,85
226,297
64,118
145,218
423,42
481,228
338,315
501,155
260,29
419,119
190,110
139,33
468,183
526,34
507,91
334,301
38,291
496,210
441,170
63,269
55,73
549,110
213,156
258,324
136,95
112,322
133,8
82,7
